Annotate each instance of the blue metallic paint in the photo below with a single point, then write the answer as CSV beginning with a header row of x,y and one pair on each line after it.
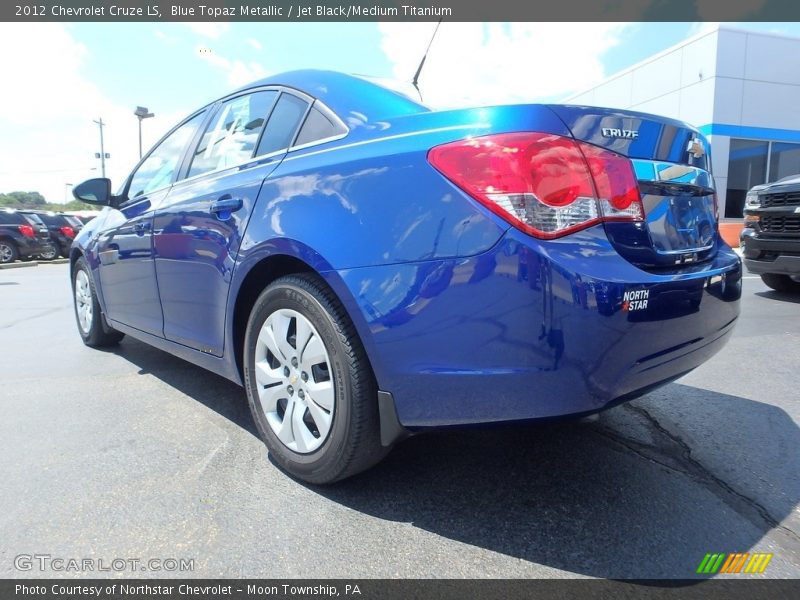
x,y
465,319
535,329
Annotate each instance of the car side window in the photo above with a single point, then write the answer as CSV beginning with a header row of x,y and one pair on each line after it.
x,y
160,166
282,124
318,126
232,135
11,218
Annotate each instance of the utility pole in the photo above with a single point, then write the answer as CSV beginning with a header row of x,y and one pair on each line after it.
x,y
103,156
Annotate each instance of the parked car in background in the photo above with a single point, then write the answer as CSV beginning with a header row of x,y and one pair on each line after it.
x,y
63,228
84,216
770,240
367,267
23,236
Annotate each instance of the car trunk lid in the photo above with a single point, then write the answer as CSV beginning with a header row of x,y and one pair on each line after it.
x,y
672,165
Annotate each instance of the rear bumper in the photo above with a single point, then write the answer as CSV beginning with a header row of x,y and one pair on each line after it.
x,y
29,248
770,255
536,329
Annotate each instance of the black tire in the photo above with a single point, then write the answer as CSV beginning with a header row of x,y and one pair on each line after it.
x,y
50,252
8,252
781,283
98,333
353,442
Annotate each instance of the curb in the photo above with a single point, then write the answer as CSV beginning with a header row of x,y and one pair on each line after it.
x,y
57,261
19,265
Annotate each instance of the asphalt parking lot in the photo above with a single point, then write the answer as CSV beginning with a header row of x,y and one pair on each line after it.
x,y
136,453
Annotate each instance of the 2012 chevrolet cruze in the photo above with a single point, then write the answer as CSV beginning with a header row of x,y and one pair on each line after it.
x,y
367,267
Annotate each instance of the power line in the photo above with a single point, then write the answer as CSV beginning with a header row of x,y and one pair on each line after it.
x,y
48,171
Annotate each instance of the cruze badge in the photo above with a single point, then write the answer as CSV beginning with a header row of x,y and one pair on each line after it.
x,y
625,134
695,148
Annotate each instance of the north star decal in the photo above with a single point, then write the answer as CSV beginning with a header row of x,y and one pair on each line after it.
x,y
635,300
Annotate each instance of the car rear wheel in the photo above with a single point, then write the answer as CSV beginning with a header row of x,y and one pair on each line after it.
x,y
309,385
92,325
49,253
8,252
780,283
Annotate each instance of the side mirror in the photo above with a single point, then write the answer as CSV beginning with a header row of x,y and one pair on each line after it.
x,y
94,191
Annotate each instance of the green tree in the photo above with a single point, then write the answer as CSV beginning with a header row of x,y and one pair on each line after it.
x,y
34,200
26,199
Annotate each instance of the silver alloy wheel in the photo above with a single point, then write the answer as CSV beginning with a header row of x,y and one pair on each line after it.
x,y
83,301
295,381
5,253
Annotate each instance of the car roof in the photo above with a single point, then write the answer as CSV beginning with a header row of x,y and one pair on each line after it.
x,y
353,98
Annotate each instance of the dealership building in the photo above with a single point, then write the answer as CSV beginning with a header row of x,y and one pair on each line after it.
x,y
740,88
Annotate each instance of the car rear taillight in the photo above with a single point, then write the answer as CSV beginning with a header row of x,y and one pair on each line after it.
x,y
544,184
68,231
27,231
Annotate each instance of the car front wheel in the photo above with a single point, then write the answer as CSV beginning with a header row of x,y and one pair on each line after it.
x,y
780,283
309,385
92,325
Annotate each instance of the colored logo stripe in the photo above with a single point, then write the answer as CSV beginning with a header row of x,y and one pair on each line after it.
x,y
758,563
733,562
710,563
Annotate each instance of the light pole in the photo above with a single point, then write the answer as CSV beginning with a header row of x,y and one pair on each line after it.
x,y
102,154
142,113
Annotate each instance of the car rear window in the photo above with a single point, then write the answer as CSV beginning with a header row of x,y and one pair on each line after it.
x,y
34,219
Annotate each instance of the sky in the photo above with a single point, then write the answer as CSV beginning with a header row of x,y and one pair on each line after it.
x,y
59,78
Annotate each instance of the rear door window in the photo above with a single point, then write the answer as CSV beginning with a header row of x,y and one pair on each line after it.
x,y
283,124
233,133
11,218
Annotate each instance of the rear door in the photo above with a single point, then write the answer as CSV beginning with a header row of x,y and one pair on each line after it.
x,y
199,229
673,167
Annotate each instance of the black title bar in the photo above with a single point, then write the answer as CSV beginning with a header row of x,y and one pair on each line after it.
x,y
382,589
402,10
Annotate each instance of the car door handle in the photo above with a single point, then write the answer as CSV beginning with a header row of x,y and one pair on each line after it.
x,y
141,228
224,206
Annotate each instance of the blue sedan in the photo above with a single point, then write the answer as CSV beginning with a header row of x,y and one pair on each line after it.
x,y
368,268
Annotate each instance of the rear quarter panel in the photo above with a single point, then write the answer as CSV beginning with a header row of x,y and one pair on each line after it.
x,y
373,199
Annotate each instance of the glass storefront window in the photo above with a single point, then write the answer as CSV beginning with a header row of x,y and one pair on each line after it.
x,y
784,160
747,166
